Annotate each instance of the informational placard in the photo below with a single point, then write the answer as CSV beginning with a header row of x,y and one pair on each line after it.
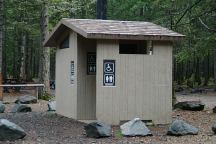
x,y
91,63
72,75
109,72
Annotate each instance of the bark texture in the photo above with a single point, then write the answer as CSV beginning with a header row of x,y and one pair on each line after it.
x,y
102,9
23,60
1,33
45,56
1,46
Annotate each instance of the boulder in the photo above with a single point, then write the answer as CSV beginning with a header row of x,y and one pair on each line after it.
x,y
214,128
21,108
26,99
98,130
190,105
178,89
10,131
135,127
51,106
214,109
180,128
184,93
198,90
6,90
2,107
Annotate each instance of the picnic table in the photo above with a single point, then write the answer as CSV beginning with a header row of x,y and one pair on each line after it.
x,y
36,86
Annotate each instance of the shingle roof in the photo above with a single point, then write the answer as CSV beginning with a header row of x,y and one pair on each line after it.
x,y
112,29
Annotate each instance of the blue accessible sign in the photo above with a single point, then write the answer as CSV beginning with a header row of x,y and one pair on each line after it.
x,y
109,73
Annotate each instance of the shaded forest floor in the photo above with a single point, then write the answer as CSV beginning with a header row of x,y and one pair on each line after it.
x,y
49,128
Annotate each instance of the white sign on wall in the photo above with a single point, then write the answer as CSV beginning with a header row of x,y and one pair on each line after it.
x,y
72,75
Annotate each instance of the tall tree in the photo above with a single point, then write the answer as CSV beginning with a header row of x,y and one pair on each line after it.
x,y
45,56
1,44
101,9
215,65
23,59
1,33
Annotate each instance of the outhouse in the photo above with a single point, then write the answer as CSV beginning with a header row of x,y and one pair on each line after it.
x,y
113,71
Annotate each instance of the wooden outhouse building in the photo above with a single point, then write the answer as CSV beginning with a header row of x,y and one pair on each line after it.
x,y
112,71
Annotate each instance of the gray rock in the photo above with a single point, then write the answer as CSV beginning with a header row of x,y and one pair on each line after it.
x,y
21,108
98,130
184,93
26,99
214,109
214,128
51,106
190,105
180,128
178,89
135,127
10,131
2,107
198,90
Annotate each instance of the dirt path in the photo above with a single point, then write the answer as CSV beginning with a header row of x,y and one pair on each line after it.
x,y
10,98
49,128
209,99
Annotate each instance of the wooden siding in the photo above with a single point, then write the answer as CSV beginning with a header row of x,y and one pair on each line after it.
x,y
143,84
86,95
66,93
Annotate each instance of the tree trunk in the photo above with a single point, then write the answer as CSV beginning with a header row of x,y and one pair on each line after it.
x,y
197,73
206,70
1,46
215,66
23,58
102,9
45,57
29,56
1,33
16,58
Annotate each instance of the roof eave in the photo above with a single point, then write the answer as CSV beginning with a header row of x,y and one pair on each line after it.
x,y
48,42
135,37
50,39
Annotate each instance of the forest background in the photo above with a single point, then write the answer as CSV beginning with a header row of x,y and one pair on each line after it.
x,y
25,23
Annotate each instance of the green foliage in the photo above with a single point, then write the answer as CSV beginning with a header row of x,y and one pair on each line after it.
x,y
176,15
118,134
183,16
46,97
50,114
71,9
23,18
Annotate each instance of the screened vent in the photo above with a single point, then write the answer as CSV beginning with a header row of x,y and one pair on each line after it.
x,y
135,47
65,43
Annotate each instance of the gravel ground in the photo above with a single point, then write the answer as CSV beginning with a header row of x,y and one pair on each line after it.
x,y
49,128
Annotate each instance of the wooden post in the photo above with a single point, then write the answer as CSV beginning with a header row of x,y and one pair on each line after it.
x,y
1,88
36,93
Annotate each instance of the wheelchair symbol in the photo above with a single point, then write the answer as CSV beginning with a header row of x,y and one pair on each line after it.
x,y
109,67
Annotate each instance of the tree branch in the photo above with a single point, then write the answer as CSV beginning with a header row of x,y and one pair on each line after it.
x,y
189,8
207,27
197,16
